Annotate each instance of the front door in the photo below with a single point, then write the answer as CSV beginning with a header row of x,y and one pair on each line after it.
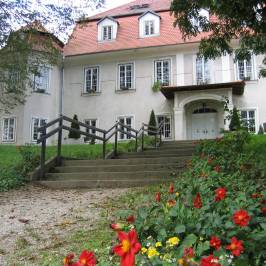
x,y
167,127
204,125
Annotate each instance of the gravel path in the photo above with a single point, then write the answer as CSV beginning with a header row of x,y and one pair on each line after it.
x,y
37,211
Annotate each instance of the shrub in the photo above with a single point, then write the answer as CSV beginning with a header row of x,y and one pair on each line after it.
x,y
10,178
261,130
235,123
156,86
152,123
74,125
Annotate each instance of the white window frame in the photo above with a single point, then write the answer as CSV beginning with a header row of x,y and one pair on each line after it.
x,y
108,38
132,126
85,91
32,127
14,132
132,75
151,25
253,67
96,125
205,65
170,69
171,123
256,118
45,89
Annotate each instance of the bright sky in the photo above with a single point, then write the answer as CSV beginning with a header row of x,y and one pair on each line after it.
x,y
115,3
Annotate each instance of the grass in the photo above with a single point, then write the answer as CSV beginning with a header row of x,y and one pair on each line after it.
x,y
100,238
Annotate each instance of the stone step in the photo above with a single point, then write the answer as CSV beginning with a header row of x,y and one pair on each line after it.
x,y
178,142
171,148
118,168
113,175
155,154
105,183
131,161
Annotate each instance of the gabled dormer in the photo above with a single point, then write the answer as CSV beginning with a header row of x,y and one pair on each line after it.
x,y
107,29
149,24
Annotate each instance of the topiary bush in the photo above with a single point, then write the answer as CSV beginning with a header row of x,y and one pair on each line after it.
x,y
235,123
152,124
261,130
74,125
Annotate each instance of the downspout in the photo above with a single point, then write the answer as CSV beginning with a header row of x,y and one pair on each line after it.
x,y
61,86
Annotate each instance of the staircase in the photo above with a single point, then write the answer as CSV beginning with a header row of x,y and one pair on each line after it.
x,y
152,166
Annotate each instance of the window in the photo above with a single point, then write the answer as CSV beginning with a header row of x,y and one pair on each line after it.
x,y
126,74
162,72
35,124
9,127
149,27
166,129
245,69
248,120
202,70
107,33
41,79
91,79
128,121
91,123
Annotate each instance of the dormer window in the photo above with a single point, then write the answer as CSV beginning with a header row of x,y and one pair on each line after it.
x,y
107,33
149,27
107,29
149,24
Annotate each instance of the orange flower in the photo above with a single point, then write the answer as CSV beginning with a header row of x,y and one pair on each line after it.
x,y
86,258
158,196
235,247
171,188
197,201
128,247
241,218
68,260
215,242
220,193
171,203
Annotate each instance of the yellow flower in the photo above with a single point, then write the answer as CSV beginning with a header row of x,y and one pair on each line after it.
x,y
152,252
166,257
158,244
143,250
180,262
201,238
177,194
173,241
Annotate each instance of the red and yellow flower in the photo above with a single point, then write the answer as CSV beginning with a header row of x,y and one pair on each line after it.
x,y
171,203
241,218
210,261
128,247
197,201
171,188
220,193
68,260
215,242
86,258
235,247
158,196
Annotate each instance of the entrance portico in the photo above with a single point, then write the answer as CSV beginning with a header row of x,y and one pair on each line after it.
x,y
199,109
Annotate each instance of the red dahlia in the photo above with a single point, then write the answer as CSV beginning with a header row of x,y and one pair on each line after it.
x,y
131,219
220,193
197,201
215,242
241,218
171,188
235,247
210,261
158,196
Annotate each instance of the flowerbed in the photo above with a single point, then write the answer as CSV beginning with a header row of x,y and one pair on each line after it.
x,y
213,215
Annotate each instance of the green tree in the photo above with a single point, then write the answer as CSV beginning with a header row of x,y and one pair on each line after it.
x,y
261,130
20,49
152,123
235,123
239,19
74,125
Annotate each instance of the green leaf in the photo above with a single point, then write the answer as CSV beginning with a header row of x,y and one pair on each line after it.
x,y
189,240
202,247
180,229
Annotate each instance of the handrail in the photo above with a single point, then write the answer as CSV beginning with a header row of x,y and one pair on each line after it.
x,y
106,135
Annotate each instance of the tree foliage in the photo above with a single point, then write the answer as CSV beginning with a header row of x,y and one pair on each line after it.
x,y
229,20
152,123
235,123
23,49
74,125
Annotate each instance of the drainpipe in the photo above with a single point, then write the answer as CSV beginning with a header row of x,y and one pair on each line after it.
x,y
61,87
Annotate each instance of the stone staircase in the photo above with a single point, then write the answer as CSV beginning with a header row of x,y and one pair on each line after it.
x,y
151,166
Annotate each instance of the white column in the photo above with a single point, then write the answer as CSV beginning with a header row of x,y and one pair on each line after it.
x,y
180,72
230,107
180,125
226,72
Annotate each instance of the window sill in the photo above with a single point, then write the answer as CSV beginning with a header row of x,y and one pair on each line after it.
x,y
42,93
125,91
8,142
88,94
106,41
149,36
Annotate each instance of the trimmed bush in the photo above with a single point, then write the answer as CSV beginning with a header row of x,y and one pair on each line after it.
x,y
235,123
74,125
152,123
261,130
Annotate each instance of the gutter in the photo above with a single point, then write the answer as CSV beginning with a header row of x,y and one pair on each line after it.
x,y
61,92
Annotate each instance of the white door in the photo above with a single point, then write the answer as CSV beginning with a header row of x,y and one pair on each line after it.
x,y
167,127
204,126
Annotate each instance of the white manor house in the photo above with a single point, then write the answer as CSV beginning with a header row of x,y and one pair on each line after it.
x,y
111,64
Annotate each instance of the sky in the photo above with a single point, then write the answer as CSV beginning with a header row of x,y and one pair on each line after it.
x,y
115,3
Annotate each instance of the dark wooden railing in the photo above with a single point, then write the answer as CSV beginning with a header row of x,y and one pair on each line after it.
x,y
100,134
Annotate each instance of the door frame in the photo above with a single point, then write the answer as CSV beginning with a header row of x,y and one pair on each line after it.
x,y
171,124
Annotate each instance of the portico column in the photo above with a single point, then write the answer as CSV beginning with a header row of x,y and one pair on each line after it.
x,y
180,125
230,107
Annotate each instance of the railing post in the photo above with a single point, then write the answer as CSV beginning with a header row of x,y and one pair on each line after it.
x,y
155,139
136,144
160,137
142,138
42,173
116,136
104,145
59,143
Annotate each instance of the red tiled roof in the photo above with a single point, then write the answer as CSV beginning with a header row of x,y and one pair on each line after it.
x,y
84,38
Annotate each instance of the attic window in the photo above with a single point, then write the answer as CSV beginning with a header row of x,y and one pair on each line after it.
x,y
135,7
107,33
